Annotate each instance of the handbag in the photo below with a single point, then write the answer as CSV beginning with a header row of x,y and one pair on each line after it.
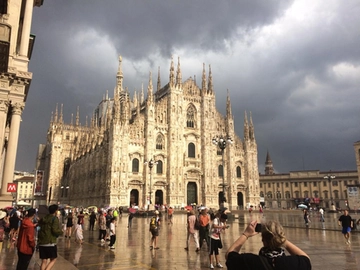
x,y
197,224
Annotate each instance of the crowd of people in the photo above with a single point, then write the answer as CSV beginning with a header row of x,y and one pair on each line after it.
x,y
30,231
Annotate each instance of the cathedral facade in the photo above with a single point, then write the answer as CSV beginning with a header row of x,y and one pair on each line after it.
x,y
153,150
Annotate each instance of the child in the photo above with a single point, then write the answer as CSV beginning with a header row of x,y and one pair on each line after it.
x,y
112,233
78,233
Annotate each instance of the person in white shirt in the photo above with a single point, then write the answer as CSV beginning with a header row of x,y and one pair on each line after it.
x,y
112,233
215,240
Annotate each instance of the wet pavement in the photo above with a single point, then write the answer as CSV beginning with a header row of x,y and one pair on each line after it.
x,y
324,244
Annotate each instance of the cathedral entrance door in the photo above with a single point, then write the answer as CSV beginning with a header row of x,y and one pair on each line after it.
x,y
134,197
159,197
191,193
240,200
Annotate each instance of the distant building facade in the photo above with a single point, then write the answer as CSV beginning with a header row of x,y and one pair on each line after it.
x,y
25,186
16,45
106,162
313,188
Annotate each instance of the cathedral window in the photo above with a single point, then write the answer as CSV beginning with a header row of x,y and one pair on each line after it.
x,y
191,150
221,171
159,167
190,116
135,165
159,142
238,172
67,136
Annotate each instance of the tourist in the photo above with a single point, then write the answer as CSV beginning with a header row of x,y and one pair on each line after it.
x,y
108,218
112,233
306,218
170,213
102,227
154,229
92,220
321,211
26,240
346,222
192,232
69,224
130,218
217,228
14,224
47,237
79,236
81,218
204,220
271,255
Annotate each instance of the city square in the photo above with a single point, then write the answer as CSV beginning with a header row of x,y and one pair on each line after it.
x,y
323,243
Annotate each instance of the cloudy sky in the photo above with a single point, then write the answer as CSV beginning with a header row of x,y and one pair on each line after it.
x,y
294,64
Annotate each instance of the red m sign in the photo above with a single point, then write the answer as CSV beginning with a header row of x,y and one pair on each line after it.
x,y
11,187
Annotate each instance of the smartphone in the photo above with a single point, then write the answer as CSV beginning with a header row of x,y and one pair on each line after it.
x,y
258,227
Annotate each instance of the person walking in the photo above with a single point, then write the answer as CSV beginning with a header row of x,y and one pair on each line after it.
x,y
204,220
69,224
81,218
26,240
215,239
271,255
347,223
192,232
79,236
306,218
112,233
170,213
130,218
47,237
92,220
102,227
154,229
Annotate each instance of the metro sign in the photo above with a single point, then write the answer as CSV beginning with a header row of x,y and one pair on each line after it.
x,y
11,187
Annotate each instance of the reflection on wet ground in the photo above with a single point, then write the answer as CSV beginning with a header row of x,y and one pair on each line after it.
x,y
326,247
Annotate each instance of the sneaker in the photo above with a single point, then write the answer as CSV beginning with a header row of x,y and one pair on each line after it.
x,y
211,266
219,265
112,247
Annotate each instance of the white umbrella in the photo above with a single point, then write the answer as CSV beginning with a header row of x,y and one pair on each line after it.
x,y
302,206
22,203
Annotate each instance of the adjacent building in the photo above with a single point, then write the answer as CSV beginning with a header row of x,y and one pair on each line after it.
x,y
153,150
314,188
16,44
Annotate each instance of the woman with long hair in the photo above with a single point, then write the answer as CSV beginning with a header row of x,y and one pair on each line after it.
x,y
69,224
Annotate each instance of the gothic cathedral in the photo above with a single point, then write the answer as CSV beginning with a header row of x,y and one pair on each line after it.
x,y
153,150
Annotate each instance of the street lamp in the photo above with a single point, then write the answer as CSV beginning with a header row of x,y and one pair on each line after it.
x,y
329,177
221,142
151,164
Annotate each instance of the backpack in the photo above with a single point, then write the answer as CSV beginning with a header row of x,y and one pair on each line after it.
x,y
153,222
197,224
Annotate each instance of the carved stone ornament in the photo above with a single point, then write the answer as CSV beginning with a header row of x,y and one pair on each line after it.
x,y
17,108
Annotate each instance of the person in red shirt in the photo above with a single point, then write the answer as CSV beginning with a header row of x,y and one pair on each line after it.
x,y
26,240
170,215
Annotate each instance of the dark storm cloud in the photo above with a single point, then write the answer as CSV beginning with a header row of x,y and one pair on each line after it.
x,y
295,65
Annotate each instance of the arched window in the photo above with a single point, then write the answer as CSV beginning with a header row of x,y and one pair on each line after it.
x,y
221,171
159,167
135,165
262,194
297,193
238,172
326,194
306,194
159,142
191,150
278,194
336,194
287,194
190,116
269,195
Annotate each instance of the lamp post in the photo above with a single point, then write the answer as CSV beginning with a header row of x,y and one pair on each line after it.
x,y
329,177
151,164
222,141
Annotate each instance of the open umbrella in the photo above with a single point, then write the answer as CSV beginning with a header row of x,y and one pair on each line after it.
x,y
302,206
22,203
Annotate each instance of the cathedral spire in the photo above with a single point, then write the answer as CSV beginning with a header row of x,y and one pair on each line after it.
x,y
251,130
119,78
172,73
178,75
203,80
61,113
210,84
158,80
228,106
72,119
77,116
107,95
86,121
269,168
142,94
246,128
135,100
150,88
56,114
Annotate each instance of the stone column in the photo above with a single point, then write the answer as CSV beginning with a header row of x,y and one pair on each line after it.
x,y
25,35
11,151
3,115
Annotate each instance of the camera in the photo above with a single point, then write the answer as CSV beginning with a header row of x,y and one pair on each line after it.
x,y
258,227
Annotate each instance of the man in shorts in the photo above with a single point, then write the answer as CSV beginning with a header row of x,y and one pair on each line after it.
x,y
47,237
346,222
